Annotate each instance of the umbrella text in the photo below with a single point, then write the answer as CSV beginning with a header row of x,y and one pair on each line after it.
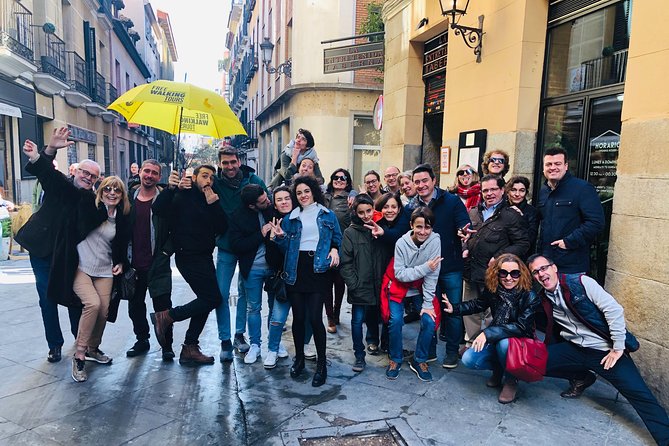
x,y
170,96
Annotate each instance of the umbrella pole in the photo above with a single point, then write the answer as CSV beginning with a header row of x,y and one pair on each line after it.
x,y
177,150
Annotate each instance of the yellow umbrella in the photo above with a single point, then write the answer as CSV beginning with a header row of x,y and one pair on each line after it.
x,y
178,107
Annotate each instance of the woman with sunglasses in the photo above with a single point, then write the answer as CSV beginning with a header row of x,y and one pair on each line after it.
x,y
508,293
336,199
467,186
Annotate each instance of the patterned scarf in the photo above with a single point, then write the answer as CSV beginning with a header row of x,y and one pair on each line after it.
x,y
233,183
471,195
509,300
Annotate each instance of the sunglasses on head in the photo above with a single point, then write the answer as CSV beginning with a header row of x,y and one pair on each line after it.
x,y
339,178
464,172
109,189
504,273
497,160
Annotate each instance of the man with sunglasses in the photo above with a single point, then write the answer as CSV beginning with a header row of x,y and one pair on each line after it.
x,y
592,325
150,248
495,162
496,229
54,222
571,215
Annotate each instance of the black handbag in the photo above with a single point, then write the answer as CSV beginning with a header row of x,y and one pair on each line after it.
x,y
123,288
275,285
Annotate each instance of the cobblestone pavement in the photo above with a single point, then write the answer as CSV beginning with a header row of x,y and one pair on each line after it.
x,y
144,401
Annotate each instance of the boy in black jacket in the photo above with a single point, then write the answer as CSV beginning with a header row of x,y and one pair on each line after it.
x,y
195,218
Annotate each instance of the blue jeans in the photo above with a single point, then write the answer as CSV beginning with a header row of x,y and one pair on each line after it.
x,y
253,286
451,285
277,320
357,318
492,357
54,336
425,336
226,263
565,358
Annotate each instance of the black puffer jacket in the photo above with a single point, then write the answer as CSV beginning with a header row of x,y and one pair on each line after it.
x,y
246,236
521,323
505,232
361,264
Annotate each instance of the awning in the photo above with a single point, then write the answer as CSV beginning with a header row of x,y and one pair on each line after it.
x,y
10,110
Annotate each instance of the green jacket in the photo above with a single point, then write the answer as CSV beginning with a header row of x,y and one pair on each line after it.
x,y
230,199
361,265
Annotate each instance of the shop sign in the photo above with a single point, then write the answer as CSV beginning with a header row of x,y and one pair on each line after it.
x,y
79,134
435,55
604,163
353,57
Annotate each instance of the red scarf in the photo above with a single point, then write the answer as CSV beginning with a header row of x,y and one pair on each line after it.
x,y
471,195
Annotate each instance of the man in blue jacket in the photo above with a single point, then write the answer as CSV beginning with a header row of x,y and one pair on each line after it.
x,y
450,220
571,215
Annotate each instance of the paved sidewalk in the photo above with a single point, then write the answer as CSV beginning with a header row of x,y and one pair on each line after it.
x,y
143,401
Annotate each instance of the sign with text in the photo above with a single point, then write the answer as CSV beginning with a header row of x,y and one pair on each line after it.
x,y
604,163
353,57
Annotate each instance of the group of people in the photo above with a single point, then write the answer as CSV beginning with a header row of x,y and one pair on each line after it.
x,y
459,261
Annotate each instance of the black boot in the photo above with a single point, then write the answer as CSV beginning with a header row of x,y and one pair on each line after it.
x,y
321,374
297,367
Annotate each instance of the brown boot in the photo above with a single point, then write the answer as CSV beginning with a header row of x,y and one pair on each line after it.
x,y
162,321
332,327
508,393
192,355
495,379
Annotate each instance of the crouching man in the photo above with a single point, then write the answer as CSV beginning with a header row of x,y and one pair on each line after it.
x,y
592,323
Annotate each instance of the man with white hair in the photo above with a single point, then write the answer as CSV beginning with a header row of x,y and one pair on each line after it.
x,y
45,226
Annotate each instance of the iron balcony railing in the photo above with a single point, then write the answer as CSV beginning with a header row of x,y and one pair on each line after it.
x,y
15,29
51,55
77,73
113,93
98,92
605,70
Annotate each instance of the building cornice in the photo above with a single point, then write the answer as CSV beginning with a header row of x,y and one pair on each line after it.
x,y
301,88
393,7
129,46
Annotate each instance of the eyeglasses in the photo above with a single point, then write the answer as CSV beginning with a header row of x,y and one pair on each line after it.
x,y
390,175
339,178
504,273
497,160
109,189
374,181
465,172
86,173
541,269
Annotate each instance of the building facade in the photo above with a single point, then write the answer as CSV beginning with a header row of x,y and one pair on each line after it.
x,y
574,74
336,108
62,63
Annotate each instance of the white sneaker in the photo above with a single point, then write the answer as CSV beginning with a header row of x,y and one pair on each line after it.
x,y
283,353
252,354
270,360
309,351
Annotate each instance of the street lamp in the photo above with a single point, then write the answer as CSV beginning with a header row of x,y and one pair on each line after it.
x,y
266,48
473,37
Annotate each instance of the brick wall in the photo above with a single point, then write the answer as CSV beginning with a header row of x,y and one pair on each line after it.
x,y
370,76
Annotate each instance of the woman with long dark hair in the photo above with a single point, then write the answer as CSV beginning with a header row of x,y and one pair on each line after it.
x,y
336,199
310,237
508,293
517,190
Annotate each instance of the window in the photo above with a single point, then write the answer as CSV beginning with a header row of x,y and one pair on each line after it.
x,y
366,147
91,152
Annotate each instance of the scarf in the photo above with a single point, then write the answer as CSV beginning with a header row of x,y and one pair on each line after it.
x,y
233,183
470,195
508,301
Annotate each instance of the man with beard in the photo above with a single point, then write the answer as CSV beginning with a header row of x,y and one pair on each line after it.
x,y
195,219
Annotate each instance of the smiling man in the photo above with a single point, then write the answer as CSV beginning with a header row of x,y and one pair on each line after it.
x,y
571,215
592,322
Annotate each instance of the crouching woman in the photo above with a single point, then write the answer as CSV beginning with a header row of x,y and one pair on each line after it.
x,y
512,303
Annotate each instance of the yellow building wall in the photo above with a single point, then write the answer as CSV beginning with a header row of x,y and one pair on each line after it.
x,y
638,271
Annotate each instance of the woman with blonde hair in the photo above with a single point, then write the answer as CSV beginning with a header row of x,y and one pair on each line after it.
x,y
467,186
508,293
101,249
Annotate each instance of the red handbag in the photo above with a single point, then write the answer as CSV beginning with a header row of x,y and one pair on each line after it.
x,y
526,359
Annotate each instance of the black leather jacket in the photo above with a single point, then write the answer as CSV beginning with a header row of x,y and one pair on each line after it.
x,y
521,324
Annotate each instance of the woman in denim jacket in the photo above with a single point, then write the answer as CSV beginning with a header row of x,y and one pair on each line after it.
x,y
310,236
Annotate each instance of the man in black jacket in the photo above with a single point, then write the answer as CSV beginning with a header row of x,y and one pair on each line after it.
x,y
40,233
249,227
496,229
195,218
150,254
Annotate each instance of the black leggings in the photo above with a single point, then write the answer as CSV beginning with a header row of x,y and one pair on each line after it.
x,y
307,306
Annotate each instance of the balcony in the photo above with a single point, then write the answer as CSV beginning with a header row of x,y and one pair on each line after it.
x,y
249,66
78,93
16,39
50,58
113,93
99,95
606,70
